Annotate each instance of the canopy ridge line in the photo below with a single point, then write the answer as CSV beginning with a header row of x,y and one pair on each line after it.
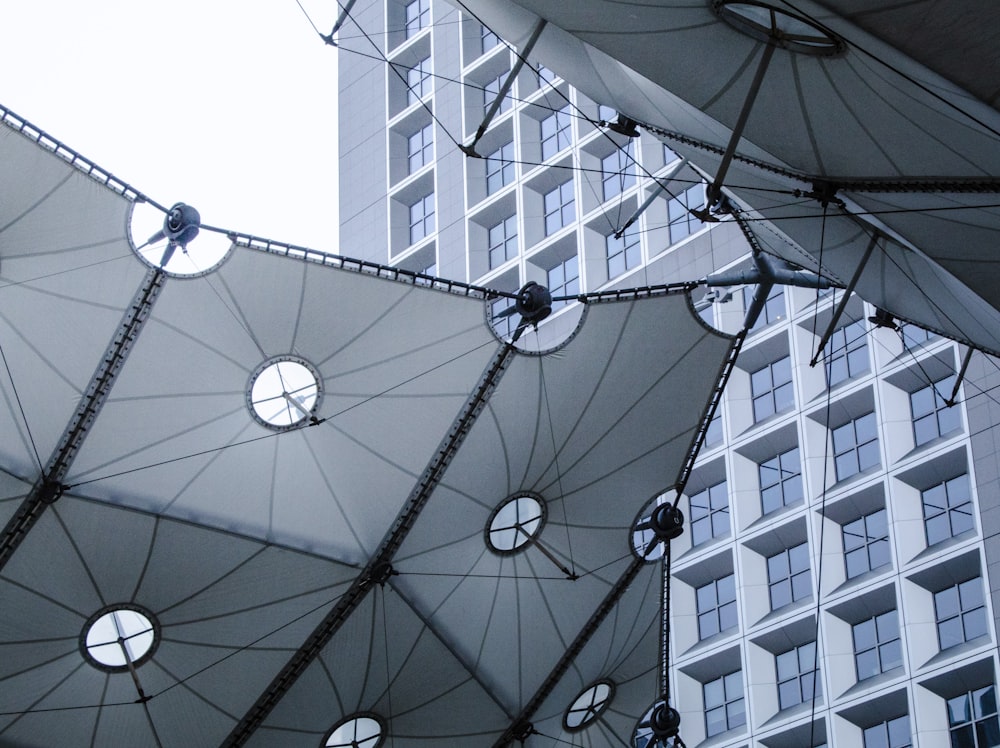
x,y
378,570
521,727
49,486
389,272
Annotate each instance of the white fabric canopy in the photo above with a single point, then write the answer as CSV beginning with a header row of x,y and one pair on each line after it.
x,y
132,473
901,125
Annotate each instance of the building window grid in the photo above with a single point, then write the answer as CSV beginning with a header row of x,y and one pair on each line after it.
x,y
490,91
709,511
418,81
420,148
716,604
618,171
788,576
960,611
972,719
556,132
893,733
500,168
848,357
724,705
418,17
502,238
947,509
780,481
560,207
855,446
797,675
931,415
866,543
877,648
714,434
682,224
421,218
771,389
623,253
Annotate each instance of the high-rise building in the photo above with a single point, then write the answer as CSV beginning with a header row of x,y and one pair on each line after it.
x,y
835,581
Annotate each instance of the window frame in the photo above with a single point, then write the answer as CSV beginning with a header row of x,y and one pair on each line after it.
x,y
771,387
946,420
856,446
732,705
417,88
872,537
500,163
426,220
882,640
797,577
949,510
719,597
424,137
560,137
708,514
966,609
783,478
806,678
848,350
624,253
555,204
505,242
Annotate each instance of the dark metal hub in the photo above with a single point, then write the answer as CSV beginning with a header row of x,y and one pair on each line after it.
x,y
534,302
665,721
667,521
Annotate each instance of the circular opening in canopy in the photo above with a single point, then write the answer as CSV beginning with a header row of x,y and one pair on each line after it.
x,y
589,705
358,731
284,392
182,253
119,635
515,522
779,27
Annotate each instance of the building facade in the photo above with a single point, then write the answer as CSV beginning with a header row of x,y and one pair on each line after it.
x,y
834,583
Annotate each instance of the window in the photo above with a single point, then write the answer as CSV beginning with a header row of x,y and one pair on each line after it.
x,y
668,154
499,168
947,509
564,279
560,207
914,335
798,675
774,306
709,513
421,218
488,38
618,171
893,733
490,91
506,325
960,612
503,241
556,133
780,481
682,223
972,719
418,80
418,16
771,388
606,113
716,606
931,416
724,709
876,645
866,543
848,356
420,147
855,446
546,76
788,576
624,253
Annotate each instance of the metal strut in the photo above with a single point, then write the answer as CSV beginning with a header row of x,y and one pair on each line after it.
x,y
844,299
49,487
522,56
374,570
661,185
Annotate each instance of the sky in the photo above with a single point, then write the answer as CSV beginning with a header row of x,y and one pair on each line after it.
x,y
228,105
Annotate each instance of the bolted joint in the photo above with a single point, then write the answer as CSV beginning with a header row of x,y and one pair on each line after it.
x,y
50,491
667,522
665,721
523,730
381,573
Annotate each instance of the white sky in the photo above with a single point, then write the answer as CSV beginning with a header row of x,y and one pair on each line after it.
x,y
229,105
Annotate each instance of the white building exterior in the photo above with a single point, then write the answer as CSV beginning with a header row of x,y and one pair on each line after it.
x,y
841,520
